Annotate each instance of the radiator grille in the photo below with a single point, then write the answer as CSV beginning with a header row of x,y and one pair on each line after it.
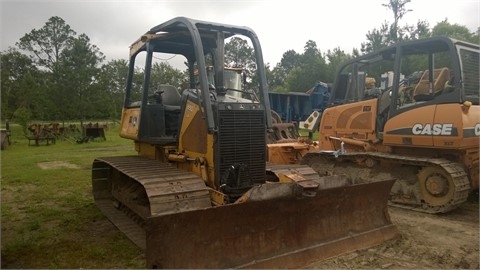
x,y
241,140
470,65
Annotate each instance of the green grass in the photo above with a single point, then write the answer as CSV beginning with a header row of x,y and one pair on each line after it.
x,y
49,219
305,134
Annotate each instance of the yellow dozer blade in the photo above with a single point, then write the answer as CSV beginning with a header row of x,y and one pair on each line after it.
x,y
285,232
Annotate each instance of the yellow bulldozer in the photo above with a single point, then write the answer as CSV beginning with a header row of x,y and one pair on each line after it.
x,y
200,193
409,112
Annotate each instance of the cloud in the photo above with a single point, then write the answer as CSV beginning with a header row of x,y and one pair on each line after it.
x,y
280,25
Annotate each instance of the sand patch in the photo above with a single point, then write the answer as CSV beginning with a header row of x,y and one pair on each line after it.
x,y
56,165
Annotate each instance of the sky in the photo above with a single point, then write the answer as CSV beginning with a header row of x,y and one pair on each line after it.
x,y
280,25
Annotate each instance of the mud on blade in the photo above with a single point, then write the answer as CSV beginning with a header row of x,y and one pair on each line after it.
x,y
283,233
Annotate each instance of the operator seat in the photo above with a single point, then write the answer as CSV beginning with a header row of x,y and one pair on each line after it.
x,y
171,100
422,90
170,95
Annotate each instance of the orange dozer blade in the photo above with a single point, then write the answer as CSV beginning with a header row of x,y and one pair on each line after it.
x,y
281,233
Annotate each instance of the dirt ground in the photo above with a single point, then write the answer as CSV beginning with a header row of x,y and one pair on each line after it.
x,y
446,241
442,241
426,241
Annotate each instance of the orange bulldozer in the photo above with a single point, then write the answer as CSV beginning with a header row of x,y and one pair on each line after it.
x,y
408,112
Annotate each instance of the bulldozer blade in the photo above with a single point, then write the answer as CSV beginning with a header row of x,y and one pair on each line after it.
x,y
281,233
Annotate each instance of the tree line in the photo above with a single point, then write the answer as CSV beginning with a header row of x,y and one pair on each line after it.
x,y
54,74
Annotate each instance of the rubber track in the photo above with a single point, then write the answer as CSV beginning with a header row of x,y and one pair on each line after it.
x,y
458,174
169,190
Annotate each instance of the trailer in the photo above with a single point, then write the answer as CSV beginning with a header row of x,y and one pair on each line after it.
x,y
297,106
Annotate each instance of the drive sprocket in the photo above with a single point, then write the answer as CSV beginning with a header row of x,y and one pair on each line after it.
x,y
436,186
